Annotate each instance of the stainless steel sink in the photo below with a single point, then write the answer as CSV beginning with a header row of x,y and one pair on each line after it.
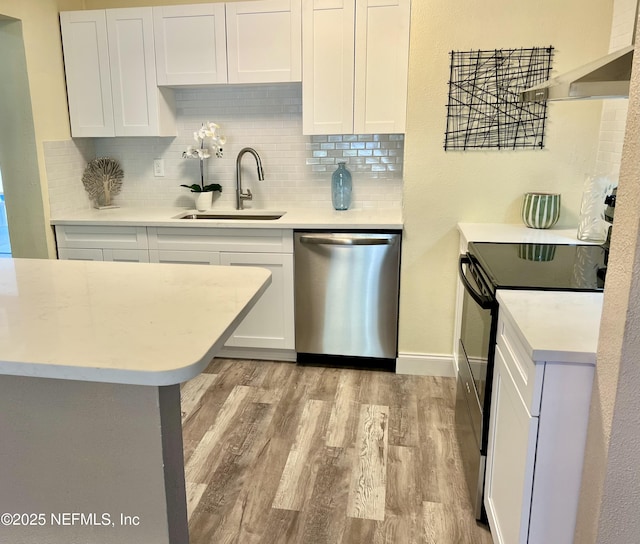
x,y
243,215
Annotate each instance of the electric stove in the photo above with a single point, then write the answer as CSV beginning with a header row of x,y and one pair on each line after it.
x,y
554,267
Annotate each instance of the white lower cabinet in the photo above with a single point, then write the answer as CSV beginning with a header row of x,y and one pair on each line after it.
x,y
513,443
537,432
270,324
267,331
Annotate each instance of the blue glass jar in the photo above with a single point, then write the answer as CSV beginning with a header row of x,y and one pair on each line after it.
x,y
341,187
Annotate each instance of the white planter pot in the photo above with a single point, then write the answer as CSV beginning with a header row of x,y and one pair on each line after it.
x,y
204,201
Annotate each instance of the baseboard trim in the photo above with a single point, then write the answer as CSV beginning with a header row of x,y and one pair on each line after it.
x,y
255,353
418,364
425,364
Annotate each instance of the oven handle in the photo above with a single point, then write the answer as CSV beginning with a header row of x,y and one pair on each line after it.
x,y
483,301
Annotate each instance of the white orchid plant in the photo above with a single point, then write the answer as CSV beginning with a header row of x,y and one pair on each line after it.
x,y
210,141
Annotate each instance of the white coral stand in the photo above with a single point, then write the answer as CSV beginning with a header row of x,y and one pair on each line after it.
x,y
91,359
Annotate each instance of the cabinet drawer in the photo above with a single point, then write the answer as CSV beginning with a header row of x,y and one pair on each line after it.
x,y
184,257
99,237
221,239
527,375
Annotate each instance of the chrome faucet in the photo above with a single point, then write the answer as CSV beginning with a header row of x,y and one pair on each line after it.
x,y
240,194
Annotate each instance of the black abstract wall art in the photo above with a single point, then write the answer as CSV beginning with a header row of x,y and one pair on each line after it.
x,y
484,111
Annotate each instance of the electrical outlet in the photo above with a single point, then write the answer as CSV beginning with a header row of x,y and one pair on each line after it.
x,y
158,168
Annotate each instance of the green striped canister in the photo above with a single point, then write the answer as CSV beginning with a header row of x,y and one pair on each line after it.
x,y
540,210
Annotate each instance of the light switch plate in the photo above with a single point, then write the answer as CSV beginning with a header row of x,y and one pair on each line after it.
x,y
158,168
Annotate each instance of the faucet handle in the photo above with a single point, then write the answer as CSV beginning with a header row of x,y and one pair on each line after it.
x,y
246,195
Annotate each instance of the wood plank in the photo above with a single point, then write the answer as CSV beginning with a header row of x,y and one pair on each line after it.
x,y
404,496
229,473
361,531
441,526
252,519
299,472
192,391
342,429
404,414
324,519
194,494
325,388
199,466
368,481
289,411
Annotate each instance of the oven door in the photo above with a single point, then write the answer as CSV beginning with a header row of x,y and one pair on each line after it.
x,y
477,337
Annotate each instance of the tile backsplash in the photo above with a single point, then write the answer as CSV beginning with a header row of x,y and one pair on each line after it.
x,y
65,162
266,117
614,112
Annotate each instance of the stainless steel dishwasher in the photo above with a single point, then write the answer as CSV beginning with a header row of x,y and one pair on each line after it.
x,y
346,297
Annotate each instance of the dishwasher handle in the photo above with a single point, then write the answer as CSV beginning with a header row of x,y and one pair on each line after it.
x,y
346,240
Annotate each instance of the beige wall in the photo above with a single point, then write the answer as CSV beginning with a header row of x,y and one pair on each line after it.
x,y
28,210
443,188
609,498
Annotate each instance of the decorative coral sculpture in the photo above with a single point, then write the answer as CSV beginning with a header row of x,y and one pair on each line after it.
x,y
102,179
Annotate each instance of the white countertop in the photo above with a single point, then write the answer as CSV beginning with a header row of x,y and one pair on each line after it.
x,y
151,324
300,218
555,325
517,233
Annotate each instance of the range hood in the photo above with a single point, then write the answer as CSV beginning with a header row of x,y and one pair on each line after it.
x,y
607,77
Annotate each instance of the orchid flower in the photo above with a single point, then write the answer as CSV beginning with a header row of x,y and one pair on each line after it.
x,y
209,141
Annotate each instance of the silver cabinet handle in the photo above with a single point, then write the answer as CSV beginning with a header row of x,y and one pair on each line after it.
x,y
345,241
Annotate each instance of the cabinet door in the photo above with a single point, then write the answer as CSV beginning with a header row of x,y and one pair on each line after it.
x,y
139,108
264,42
190,44
270,323
101,236
510,459
381,65
327,82
183,257
75,254
86,64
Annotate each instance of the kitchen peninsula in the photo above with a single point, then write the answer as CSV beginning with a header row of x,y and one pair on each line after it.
x,y
91,358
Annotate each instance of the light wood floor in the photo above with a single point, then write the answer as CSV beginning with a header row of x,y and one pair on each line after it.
x,y
280,453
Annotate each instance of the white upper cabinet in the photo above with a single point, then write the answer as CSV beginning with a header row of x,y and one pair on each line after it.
x,y
111,75
355,66
191,46
239,42
86,59
381,66
139,107
264,41
328,33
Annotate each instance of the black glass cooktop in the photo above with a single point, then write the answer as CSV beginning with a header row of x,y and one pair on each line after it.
x,y
540,266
